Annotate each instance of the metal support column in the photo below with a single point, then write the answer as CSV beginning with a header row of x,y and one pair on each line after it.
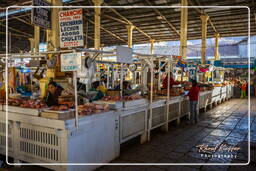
x,y
204,19
32,44
216,48
152,46
97,13
53,35
36,38
129,30
183,29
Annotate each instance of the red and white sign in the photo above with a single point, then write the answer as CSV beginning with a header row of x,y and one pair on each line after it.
x,y
71,28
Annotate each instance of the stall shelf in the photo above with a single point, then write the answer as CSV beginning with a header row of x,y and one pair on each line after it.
x,y
205,99
223,95
158,113
216,94
230,89
42,140
3,138
185,108
175,108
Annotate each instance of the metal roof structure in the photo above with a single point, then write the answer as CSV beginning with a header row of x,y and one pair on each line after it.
x,y
160,24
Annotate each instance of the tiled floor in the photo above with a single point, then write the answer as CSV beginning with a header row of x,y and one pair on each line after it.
x,y
226,125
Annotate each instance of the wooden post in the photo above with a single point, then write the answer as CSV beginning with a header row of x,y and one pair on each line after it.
x,y
97,13
129,30
183,29
204,19
216,48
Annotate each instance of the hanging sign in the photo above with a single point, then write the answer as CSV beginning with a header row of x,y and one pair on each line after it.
x,y
71,61
71,28
41,16
124,54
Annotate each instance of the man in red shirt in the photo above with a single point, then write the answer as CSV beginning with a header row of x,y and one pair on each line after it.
x,y
193,98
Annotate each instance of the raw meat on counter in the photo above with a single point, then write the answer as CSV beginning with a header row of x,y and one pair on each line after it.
x,y
111,98
69,104
59,108
34,104
90,108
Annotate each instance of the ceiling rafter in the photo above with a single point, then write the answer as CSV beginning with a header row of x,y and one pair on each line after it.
x,y
164,18
202,12
129,22
109,32
18,31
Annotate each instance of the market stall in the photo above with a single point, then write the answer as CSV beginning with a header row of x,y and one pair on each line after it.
x,y
57,133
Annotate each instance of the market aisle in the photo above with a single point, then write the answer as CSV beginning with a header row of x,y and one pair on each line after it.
x,y
226,124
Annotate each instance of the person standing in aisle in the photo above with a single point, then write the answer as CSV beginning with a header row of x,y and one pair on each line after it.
x,y
243,89
193,98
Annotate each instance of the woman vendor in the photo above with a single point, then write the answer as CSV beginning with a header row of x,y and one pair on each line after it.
x,y
54,91
172,81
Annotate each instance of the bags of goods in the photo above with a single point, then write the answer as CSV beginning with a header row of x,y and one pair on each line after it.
x,y
90,108
34,104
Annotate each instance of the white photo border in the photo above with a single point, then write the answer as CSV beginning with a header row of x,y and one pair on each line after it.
x,y
128,7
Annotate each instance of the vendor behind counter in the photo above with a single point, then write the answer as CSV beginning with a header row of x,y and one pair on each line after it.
x,y
172,81
54,91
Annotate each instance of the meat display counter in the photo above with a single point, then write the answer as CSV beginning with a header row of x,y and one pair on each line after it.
x,y
41,140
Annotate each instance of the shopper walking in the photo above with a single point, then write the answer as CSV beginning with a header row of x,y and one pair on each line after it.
x,y
243,89
193,98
